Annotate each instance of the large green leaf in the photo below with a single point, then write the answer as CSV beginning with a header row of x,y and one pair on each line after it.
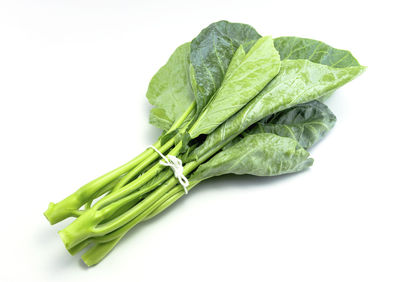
x,y
170,89
211,53
299,81
247,76
294,48
307,123
262,154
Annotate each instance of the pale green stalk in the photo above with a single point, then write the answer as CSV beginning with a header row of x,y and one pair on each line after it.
x,y
85,226
150,207
70,206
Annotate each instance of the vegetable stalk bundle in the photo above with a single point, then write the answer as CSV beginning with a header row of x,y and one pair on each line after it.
x,y
229,101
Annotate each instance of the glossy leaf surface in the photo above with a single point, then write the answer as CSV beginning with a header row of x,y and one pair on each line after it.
x,y
237,59
299,81
263,154
293,48
170,89
247,76
211,54
307,123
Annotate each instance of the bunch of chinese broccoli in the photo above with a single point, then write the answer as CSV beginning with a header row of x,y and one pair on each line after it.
x,y
229,101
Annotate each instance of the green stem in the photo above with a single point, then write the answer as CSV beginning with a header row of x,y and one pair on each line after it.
x,y
85,225
176,194
137,170
77,248
97,252
117,208
116,223
70,205
134,185
177,124
103,190
103,245
110,209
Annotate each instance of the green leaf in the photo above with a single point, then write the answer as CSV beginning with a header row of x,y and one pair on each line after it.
x,y
237,59
294,48
211,53
247,76
307,123
299,81
170,89
262,154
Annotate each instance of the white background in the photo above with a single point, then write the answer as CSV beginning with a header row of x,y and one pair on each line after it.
x,y
73,78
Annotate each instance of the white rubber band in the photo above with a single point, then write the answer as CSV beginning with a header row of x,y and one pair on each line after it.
x,y
176,165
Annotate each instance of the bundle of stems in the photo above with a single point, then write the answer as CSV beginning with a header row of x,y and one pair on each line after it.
x,y
130,194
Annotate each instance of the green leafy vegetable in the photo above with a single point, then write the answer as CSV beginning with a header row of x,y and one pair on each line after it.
x,y
230,101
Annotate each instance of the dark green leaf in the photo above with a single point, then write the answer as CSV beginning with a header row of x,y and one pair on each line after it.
x,y
307,123
294,48
247,76
299,81
262,154
211,53
237,59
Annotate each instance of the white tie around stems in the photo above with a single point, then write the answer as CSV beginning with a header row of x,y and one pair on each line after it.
x,y
176,165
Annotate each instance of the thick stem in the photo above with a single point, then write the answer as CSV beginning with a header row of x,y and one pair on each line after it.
x,y
102,191
105,244
137,170
79,247
67,207
152,208
124,219
70,205
87,222
176,193
134,185
83,230
96,253
110,210
118,208
167,145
